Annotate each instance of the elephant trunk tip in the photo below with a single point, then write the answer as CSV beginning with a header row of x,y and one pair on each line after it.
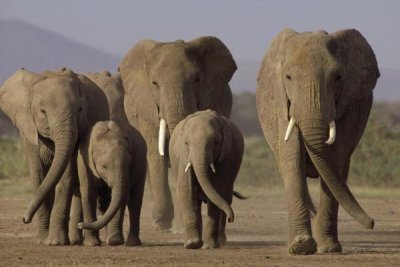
x,y
27,218
87,226
370,224
231,216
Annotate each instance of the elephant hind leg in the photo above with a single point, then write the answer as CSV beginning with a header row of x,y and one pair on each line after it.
x,y
135,207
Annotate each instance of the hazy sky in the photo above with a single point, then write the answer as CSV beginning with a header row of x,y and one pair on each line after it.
x,y
246,27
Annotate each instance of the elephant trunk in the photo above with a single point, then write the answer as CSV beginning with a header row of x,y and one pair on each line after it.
x,y
315,136
202,170
118,196
65,138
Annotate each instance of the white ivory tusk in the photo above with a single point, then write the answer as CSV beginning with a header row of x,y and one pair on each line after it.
x,y
289,129
212,167
188,166
161,137
332,133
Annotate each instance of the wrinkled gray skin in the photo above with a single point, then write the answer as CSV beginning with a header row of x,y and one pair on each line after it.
x,y
112,86
170,81
316,78
111,165
52,110
201,139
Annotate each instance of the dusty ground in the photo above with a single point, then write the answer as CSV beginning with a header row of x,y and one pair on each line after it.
x,y
256,238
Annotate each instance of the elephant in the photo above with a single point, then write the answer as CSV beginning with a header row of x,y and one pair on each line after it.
x,y
206,151
111,161
314,96
165,82
52,110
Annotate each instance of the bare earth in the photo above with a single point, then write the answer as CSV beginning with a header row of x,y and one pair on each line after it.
x,y
257,238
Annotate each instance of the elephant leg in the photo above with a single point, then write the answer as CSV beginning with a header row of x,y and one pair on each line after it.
x,y
212,226
191,211
135,208
36,171
75,234
222,223
326,230
292,162
58,230
162,207
115,235
89,194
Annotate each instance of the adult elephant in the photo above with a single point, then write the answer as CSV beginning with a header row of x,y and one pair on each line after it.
x,y
51,110
314,95
165,82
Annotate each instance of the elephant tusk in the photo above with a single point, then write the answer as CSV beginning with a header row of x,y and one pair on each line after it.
x,y
212,167
332,133
289,129
187,167
161,137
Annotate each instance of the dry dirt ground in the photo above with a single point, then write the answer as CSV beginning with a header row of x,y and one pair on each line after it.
x,y
257,238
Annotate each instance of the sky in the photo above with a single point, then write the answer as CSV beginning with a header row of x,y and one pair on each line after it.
x,y
246,27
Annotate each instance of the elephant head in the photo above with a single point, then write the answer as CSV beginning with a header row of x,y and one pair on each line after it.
x,y
314,78
46,106
108,157
206,142
178,78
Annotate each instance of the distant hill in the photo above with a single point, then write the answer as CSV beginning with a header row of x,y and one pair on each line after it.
x,y
387,88
25,45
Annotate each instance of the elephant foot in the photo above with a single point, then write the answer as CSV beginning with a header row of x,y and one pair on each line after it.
x,y
115,239
163,227
211,244
329,246
133,241
193,243
76,238
91,241
57,240
303,245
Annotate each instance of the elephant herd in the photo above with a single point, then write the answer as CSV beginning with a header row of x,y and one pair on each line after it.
x,y
93,139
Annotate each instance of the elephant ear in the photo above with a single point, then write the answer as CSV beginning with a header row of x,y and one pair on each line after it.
x,y
15,101
219,67
228,141
361,67
270,89
134,72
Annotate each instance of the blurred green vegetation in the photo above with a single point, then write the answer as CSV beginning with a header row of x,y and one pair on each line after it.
x,y
13,162
376,161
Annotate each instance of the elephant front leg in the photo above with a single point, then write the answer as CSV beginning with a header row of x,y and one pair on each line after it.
x,y
115,236
191,210
75,234
135,207
58,231
36,171
162,207
326,223
212,226
292,163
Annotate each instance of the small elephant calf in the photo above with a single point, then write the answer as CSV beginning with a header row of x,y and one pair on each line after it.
x,y
206,152
112,163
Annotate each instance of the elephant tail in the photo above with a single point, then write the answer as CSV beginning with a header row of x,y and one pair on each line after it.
x,y
239,195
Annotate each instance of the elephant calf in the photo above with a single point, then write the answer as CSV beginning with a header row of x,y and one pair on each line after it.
x,y
206,151
112,159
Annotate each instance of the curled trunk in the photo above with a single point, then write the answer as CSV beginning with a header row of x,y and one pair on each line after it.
x,y
65,139
201,169
314,138
118,196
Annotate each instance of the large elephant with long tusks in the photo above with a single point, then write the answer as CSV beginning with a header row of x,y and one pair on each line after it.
x,y
165,82
314,95
52,110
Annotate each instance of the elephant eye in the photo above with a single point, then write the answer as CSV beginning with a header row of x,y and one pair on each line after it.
x,y
104,167
43,112
197,78
288,77
338,78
